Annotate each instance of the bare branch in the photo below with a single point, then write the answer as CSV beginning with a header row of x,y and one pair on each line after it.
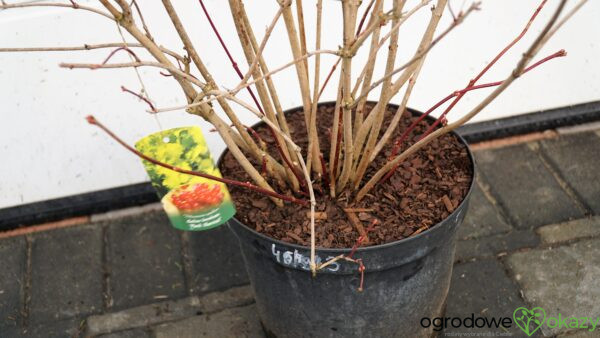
x,y
525,59
274,168
488,66
367,74
53,4
144,26
379,111
141,97
87,47
92,120
375,119
247,40
240,87
407,131
289,156
350,9
312,136
171,69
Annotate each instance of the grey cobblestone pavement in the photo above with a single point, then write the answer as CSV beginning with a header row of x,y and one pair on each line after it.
x,y
531,239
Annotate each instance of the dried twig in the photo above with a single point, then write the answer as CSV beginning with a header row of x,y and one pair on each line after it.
x,y
53,4
171,69
274,168
400,111
141,97
250,83
527,56
87,47
312,136
407,131
357,224
246,37
488,66
376,116
350,8
92,120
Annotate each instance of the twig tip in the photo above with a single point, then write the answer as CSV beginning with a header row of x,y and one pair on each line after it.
x,y
91,119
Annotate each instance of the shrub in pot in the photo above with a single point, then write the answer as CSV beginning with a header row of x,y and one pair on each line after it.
x,y
347,210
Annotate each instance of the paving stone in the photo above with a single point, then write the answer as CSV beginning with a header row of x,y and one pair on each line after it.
x,y
63,328
562,232
560,280
144,254
142,316
482,218
135,333
581,334
577,157
120,213
11,331
235,322
527,190
216,260
493,245
13,253
66,279
153,314
482,288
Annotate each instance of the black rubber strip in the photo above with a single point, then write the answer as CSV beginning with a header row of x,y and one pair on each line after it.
x,y
143,193
77,205
532,122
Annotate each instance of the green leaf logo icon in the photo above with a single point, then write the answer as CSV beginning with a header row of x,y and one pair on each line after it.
x,y
529,321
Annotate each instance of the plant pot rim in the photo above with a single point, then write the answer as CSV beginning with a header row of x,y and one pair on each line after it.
x,y
339,251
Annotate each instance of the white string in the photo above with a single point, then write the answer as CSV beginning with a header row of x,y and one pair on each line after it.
x,y
144,92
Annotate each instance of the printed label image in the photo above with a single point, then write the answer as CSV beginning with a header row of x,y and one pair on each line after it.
x,y
191,202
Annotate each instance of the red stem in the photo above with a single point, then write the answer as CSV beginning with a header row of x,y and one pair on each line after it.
x,y
362,238
118,49
139,11
452,11
264,159
331,71
231,59
486,68
358,31
251,92
405,134
537,11
364,17
361,269
92,120
256,136
180,68
361,266
214,28
324,169
140,97
264,166
460,94
287,161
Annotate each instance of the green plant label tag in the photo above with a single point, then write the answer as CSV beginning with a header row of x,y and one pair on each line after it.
x,y
191,202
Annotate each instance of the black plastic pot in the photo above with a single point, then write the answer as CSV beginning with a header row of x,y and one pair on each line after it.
x,y
405,281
